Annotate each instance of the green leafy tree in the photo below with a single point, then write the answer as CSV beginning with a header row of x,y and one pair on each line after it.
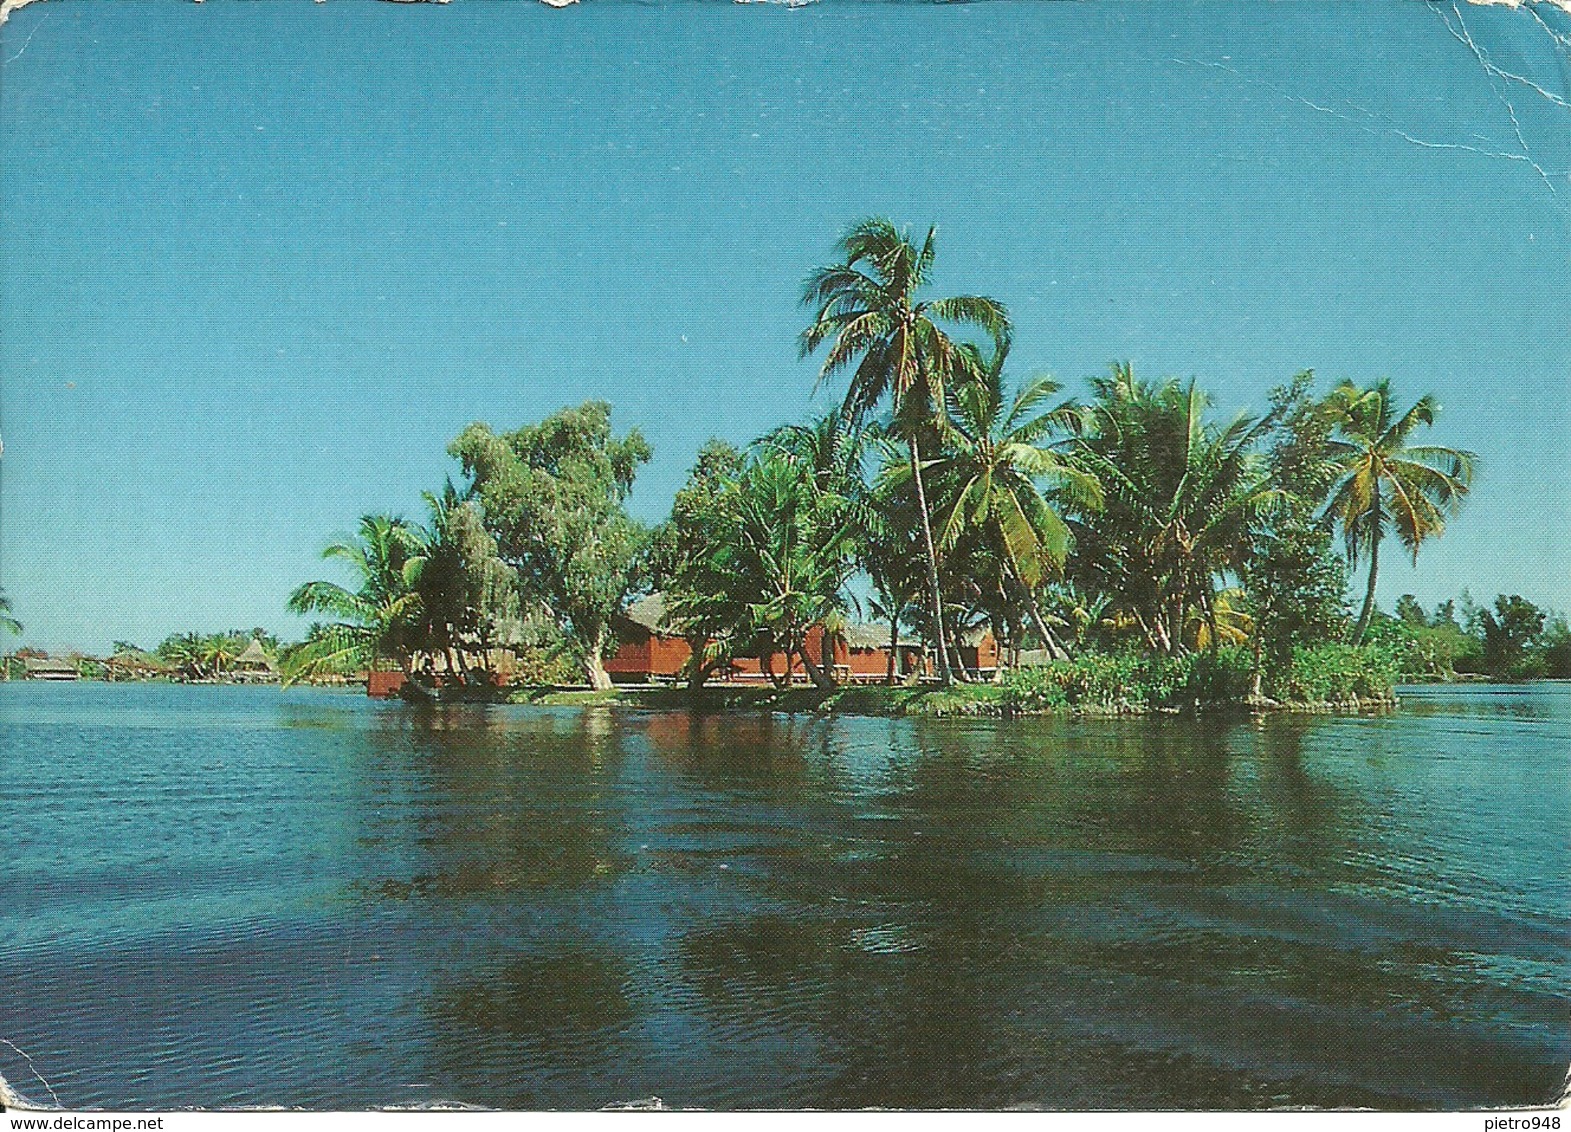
x,y
1511,631
867,311
554,497
781,552
1385,483
689,565
379,617
1293,578
1555,643
998,454
794,557
1183,498
465,588
832,451
182,651
1408,610
8,623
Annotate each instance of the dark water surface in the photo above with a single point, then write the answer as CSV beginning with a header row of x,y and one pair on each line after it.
x,y
241,896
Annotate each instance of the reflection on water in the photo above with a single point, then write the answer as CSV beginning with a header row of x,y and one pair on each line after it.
x,y
234,896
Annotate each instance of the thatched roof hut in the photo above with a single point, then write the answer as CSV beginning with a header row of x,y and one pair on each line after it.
x,y
649,614
49,668
254,664
875,635
134,664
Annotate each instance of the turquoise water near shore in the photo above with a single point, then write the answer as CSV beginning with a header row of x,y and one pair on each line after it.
x,y
238,896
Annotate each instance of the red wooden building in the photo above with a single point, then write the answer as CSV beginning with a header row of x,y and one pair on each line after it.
x,y
649,651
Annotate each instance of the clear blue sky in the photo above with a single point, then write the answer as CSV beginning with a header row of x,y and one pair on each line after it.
x,y
260,261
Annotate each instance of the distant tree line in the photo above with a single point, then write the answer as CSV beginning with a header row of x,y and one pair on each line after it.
x,y
1512,639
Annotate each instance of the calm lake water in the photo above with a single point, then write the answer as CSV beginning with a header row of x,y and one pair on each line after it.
x,y
242,896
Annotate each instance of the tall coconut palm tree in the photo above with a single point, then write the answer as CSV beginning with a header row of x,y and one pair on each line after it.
x,y
219,653
866,308
1383,482
1183,496
998,452
375,619
8,623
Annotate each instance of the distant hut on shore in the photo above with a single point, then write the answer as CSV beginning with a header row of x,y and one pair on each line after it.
x,y
865,652
978,650
134,664
50,668
253,665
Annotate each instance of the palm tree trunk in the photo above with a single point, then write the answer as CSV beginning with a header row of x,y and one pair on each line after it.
x,y
1158,633
766,665
1208,604
894,651
1369,598
699,669
1175,627
817,675
1055,651
1145,627
945,674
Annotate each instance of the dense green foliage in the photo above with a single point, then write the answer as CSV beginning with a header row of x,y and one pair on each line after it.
x,y
1128,681
778,539
1514,640
1294,582
1334,671
554,497
997,478
1134,550
196,656
1184,495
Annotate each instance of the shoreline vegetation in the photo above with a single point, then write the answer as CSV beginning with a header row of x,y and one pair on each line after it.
x,y
1061,690
951,524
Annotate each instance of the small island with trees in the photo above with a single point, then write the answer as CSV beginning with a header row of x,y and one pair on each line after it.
x,y
1129,550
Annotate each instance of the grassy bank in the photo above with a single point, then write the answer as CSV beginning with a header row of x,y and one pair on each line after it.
x,y
1325,678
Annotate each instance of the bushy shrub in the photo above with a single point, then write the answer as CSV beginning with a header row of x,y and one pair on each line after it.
x,y
1098,682
1441,650
1104,681
1557,649
1129,682
1209,677
961,700
1335,672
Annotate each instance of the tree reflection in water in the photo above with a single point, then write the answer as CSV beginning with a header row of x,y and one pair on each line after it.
x,y
775,910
